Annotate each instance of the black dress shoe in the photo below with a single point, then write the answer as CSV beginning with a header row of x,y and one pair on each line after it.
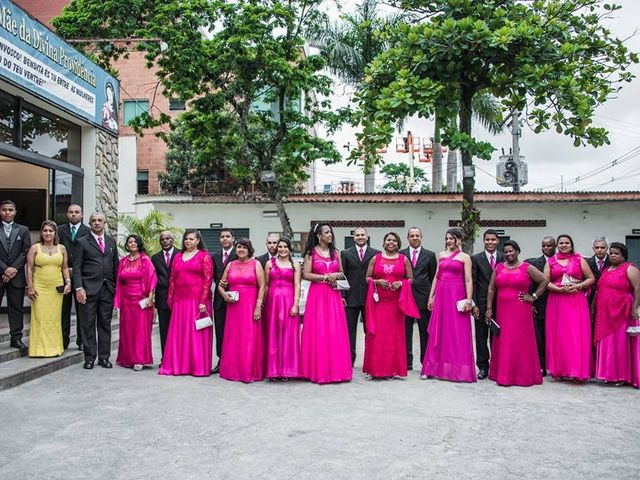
x,y
544,372
409,367
19,345
482,374
105,363
216,369
88,365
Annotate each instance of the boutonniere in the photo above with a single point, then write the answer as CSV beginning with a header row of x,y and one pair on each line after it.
x,y
18,237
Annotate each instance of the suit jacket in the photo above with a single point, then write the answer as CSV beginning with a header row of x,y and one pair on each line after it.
x,y
481,277
263,259
13,253
91,268
593,265
64,234
541,303
218,270
163,273
356,273
423,274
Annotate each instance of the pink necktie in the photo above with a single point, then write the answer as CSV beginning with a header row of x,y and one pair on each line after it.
x,y
361,254
600,264
167,258
101,244
225,257
414,258
492,262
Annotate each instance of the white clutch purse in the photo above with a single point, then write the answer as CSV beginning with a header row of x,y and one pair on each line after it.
x,y
233,295
568,280
203,322
461,303
633,331
342,285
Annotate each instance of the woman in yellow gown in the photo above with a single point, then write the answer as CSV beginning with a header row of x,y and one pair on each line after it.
x,y
46,271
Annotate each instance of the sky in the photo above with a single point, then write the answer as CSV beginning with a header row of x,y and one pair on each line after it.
x,y
554,164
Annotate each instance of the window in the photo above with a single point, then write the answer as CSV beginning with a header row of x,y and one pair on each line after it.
x,y
177,104
7,120
44,135
133,108
143,182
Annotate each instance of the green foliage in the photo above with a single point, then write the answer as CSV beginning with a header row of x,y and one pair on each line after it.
x,y
398,177
252,54
148,228
552,60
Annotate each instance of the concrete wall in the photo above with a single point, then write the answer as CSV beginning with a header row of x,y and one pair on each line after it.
x,y
582,220
127,175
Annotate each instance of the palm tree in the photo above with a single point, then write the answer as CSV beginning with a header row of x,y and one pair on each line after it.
x,y
148,228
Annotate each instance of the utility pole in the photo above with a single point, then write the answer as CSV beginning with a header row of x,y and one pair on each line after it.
x,y
411,181
515,133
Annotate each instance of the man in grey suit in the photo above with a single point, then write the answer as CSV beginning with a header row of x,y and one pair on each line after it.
x,y
70,233
272,249
15,243
424,265
95,267
355,261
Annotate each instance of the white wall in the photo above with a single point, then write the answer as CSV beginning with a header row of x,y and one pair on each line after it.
x,y
127,175
88,163
582,220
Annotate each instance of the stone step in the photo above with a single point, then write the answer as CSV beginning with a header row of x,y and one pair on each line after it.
x,y
5,336
8,353
25,369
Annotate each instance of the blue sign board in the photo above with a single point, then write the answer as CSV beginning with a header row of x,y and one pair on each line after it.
x,y
37,60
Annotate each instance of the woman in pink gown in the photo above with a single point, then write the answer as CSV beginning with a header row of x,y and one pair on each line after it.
x,y
188,350
389,300
135,286
449,354
282,330
243,343
325,351
514,352
568,324
617,303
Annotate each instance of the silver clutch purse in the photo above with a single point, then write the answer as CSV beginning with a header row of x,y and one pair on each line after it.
x,y
633,331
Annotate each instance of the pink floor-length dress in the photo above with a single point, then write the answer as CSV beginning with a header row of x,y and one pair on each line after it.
x,y
136,280
325,352
449,354
568,326
514,353
282,329
617,354
243,342
385,350
188,351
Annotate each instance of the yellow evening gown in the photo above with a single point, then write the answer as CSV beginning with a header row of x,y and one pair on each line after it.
x,y
45,339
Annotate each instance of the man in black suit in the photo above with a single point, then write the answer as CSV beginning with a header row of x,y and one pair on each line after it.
x,y
15,242
220,261
162,263
598,262
424,264
540,304
483,263
70,233
355,261
272,249
95,268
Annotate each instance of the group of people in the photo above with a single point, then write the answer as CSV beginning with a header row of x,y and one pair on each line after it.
x,y
560,313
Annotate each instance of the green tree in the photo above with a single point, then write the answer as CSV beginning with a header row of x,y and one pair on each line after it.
x,y
553,60
398,175
148,228
254,96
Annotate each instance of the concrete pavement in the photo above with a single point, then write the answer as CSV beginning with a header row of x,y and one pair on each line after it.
x,y
120,424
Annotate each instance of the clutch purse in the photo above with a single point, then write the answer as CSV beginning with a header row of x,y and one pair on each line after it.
x,y
60,289
342,285
633,331
568,280
461,303
494,327
233,295
203,322
144,303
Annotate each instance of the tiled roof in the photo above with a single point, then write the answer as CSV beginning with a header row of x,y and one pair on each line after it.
x,y
480,197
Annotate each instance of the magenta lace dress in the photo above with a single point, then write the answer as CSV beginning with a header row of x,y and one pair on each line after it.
x,y
188,351
325,352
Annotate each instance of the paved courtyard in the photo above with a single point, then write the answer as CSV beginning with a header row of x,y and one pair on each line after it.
x,y
119,424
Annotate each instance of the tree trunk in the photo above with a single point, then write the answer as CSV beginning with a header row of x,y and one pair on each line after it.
x,y
282,214
436,172
452,170
470,216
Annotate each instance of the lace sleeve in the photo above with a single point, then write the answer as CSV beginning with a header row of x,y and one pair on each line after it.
x,y
207,278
